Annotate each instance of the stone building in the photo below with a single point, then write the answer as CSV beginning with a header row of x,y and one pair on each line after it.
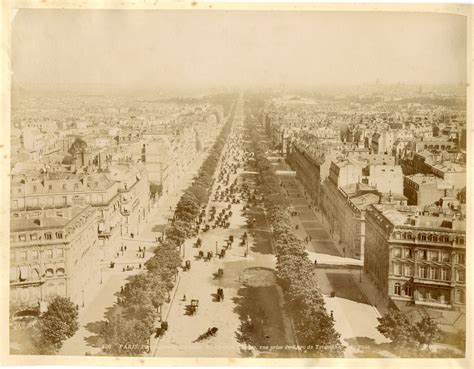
x,y
422,189
414,258
53,253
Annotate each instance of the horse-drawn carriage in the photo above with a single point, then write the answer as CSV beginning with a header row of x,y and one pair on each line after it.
x,y
220,294
187,265
193,307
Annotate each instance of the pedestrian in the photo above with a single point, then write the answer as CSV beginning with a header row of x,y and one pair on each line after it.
x,y
184,297
121,289
117,254
332,315
139,266
125,248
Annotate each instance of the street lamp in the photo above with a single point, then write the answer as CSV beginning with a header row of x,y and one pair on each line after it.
x,y
216,248
82,296
100,275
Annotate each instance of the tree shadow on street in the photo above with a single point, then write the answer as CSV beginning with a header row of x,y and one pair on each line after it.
x,y
261,329
97,328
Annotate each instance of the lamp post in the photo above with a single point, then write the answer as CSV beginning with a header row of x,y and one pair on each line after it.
x,y
360,275
101,275
247,242
82,296
216,248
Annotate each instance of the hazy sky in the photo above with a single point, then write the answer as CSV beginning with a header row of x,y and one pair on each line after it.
x,y
218,47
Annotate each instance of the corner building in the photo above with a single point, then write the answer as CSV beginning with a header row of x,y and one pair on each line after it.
x,y
53,255
416,258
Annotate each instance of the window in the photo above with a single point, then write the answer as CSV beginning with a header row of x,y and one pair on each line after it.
x,y
434,273
408,253
60,271
446,256
461,240
59,253
50,187
34,254
397,289
59,235
444,274
35,188
397,252
459,296
64,186
397,270
33,237
22,237
460,276
23,255
408,271
435,238
408,290
434,255
19,190
15,204
422,254
460,258
49,272
76,186
423,272
48,236
49,253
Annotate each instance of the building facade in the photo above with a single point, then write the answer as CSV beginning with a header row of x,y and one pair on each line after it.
x,y
53,255
417,259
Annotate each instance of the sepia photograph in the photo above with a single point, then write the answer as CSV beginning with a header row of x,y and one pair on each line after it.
x,y
212,182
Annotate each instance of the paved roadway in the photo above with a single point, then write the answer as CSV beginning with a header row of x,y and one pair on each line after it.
x,y
201,283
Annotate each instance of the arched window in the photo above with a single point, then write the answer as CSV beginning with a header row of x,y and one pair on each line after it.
x,y
60,271
397,289
435,238
404,236
49,272
460,296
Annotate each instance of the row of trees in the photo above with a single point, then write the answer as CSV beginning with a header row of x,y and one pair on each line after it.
x,y
131,322
313,324
197,194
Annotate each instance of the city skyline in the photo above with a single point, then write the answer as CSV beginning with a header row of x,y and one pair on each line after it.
x,y
182,48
